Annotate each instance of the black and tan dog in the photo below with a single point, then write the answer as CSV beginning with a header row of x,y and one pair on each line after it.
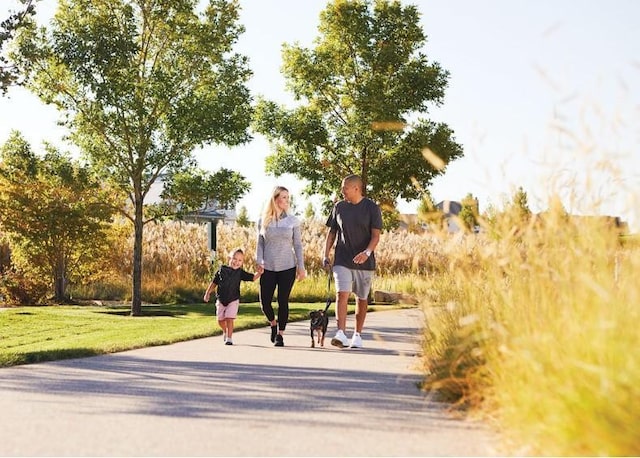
x,y
318,325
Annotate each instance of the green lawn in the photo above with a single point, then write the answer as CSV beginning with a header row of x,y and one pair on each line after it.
x,y
47,333
34,334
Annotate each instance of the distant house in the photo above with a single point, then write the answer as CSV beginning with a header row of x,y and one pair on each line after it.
x,y
450,209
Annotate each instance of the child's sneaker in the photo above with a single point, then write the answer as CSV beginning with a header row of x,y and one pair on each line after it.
x,y
340,340
228,342
356,341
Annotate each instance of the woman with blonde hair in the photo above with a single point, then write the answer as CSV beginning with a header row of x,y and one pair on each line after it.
x,y
280,256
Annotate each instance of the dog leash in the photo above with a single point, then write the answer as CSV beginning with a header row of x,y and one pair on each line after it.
x,y
329,296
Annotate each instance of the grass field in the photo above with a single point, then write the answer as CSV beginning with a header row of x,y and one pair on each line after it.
x,y
36,334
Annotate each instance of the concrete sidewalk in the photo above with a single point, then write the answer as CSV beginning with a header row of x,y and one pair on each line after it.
x,y
202,398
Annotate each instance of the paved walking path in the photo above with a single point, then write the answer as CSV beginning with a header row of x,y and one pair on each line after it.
x,y
250,399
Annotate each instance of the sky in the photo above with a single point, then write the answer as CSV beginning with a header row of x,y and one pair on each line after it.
x,y
543,95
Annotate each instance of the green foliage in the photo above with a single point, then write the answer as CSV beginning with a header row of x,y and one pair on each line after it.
x,y
242,218
428,212
54,213
36,334
140,86
361,92
9,74
309,212
390,218
469,213
194,189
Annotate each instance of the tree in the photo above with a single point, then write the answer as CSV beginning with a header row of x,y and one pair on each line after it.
x,y
242,219
363,92
54,212
428,212
309,212
470,211
520,205
195,190
8,27
141,84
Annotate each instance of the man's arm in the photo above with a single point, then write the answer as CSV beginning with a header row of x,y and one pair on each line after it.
x,y
373,243
328,244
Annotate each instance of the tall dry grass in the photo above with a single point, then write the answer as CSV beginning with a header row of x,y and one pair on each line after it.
x,y
177,264
538,326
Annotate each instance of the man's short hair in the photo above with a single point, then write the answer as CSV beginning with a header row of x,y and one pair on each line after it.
x,y
354,179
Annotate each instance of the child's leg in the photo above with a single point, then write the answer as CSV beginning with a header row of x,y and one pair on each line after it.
x,y
223,325
229,327
230,315
222,317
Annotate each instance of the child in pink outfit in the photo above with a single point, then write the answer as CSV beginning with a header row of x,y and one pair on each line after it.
x,y
226,283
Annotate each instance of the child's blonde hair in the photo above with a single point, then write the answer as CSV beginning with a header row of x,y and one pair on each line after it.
x,y
234,251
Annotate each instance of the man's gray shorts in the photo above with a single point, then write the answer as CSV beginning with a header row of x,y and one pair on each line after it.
x,y
353,280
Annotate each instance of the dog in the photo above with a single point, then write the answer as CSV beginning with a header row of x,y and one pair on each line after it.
x,y
318,325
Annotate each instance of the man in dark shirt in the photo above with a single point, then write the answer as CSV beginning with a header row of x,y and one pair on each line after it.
x,y
354,226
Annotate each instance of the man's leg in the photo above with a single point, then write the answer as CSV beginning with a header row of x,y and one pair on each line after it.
x,y
361,313
341,309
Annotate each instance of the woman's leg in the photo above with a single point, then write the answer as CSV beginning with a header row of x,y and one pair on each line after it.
x,y
267,288
286,279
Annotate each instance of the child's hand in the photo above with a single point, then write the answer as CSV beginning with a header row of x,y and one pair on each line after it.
x,y
206,297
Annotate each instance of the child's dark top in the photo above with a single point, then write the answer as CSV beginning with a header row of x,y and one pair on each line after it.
x,y
228,281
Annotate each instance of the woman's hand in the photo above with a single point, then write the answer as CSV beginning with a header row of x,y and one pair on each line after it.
x,y
301,274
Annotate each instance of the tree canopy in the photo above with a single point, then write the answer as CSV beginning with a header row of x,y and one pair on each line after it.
x,y
362,95
54,211
8,27
141,84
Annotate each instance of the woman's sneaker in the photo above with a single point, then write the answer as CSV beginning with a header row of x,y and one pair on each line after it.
x,y
356,341
279,341
340,340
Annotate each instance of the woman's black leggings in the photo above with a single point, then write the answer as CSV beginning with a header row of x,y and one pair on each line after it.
x,y
284,281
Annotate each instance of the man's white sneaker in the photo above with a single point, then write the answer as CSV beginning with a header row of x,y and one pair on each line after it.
x,y
340,340
356,341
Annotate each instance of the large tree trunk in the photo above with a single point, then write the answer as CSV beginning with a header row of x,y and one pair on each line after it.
x,y
59,279
136,292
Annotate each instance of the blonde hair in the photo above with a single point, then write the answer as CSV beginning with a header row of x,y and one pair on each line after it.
x,y
233,252
270,211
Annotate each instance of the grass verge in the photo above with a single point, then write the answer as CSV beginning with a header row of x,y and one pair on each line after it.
x,y
36,334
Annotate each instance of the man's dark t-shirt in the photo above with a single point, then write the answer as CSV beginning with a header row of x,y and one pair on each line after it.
x,y
353,224
228,281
